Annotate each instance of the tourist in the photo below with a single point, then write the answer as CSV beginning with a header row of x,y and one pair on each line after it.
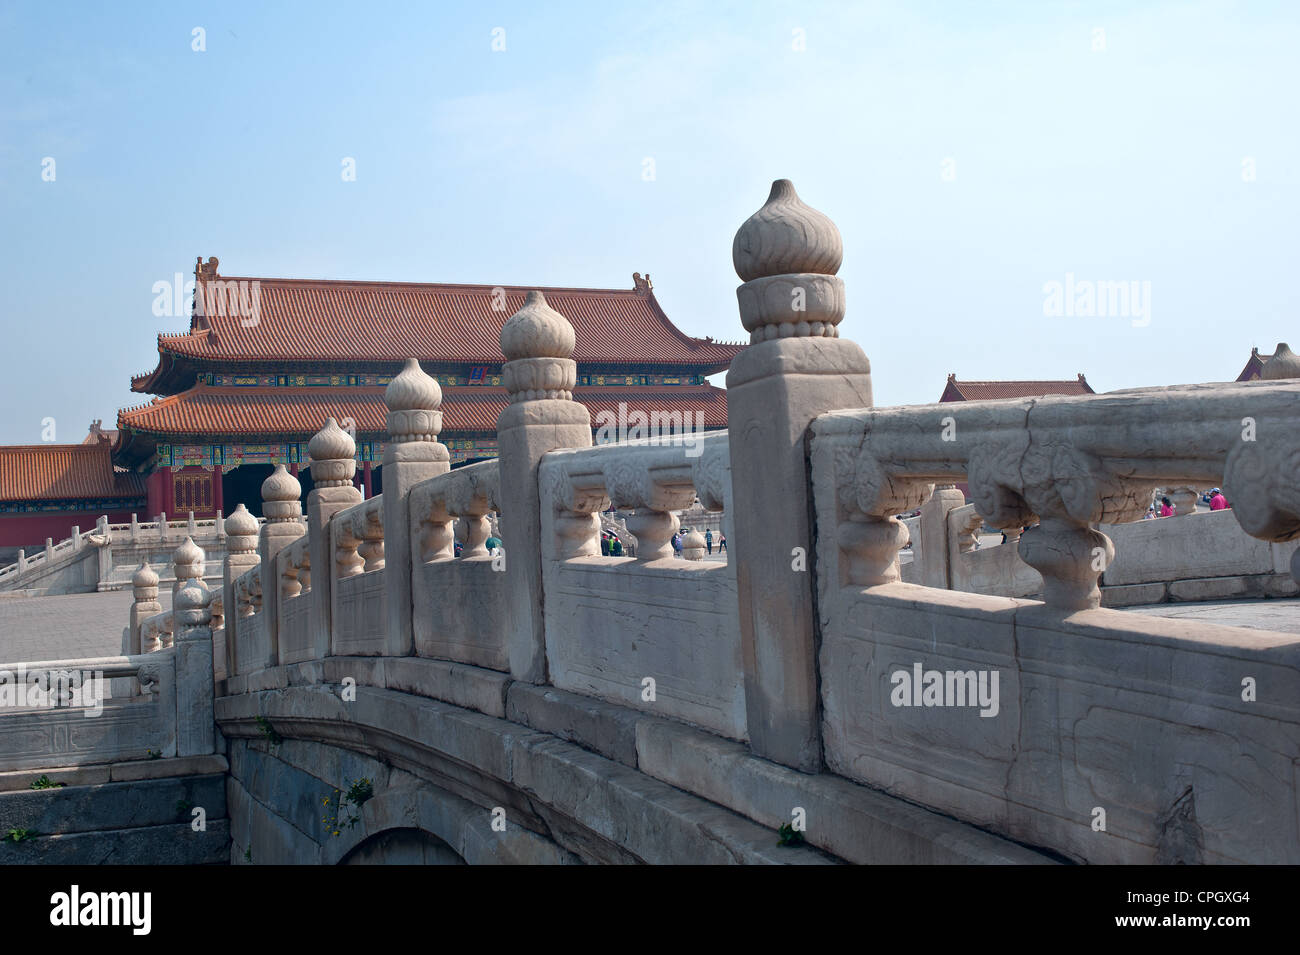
x,y
615,546
1166,507
677,542
722,544
708,540
493,544
1217,501
1150,515
604,544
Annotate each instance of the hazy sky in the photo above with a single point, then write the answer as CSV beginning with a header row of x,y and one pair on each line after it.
x,y
970,153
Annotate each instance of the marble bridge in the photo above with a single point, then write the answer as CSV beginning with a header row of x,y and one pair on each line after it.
x,y
351,690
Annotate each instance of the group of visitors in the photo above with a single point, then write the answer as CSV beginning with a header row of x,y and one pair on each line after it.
x,y
612,546
708,542
1166,508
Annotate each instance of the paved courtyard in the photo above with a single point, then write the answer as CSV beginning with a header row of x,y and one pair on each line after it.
x,y
1280,615
66,627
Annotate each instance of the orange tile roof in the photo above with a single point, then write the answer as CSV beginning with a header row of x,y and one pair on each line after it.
x,y
208,410
317,320
991,390
57,472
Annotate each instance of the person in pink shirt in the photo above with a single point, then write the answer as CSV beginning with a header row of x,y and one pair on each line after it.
x,y
1217,501
1166,507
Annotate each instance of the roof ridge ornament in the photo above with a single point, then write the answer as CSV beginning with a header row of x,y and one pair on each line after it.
x,y
640,284
206,271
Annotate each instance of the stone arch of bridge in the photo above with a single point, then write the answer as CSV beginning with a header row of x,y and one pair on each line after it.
x,y
424,824
402,847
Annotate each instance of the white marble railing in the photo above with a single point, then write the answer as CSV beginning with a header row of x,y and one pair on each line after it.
x,y
294,607
1039,713
801,642
614,622
359,593
248,591
1067,464
359,538
137,533
92,726
468,494
110,709
157,632
295,569
41,560
460,612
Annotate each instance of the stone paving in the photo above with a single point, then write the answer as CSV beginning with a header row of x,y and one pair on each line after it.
x,y
65,627
1280,615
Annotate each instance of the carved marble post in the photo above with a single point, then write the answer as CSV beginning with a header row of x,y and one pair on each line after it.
x,y
542,416
1281,365
796,368
144,584
693,545
187,561
191,615
333,464
1184,499
1071,556
282,508
413,454
241,554
931,551
1069,491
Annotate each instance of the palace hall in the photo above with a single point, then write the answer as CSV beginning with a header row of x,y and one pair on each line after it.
x,y
265,361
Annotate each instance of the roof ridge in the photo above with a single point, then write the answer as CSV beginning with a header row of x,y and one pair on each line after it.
x,y
429,285
50,446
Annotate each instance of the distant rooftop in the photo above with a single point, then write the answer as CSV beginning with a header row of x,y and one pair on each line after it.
x,y
61,472
315,321
994,390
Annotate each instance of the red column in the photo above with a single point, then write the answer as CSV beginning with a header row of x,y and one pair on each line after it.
x,y
154,491
293,469
217,502
365,480
169,494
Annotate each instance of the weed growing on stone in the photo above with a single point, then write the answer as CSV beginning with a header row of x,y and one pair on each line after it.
x,y
790,836
183,807
268,731
153,753
44,783
18,835
350,801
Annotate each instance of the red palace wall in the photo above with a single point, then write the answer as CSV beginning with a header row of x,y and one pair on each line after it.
x,y
30,530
